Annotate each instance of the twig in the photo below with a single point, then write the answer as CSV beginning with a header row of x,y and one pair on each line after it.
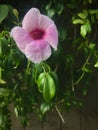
x,y
60,115
56,68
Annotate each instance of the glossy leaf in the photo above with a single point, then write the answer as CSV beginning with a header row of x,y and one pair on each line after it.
x,y
41,81
44,108
49,88
86,28
92,46
3,12
90,1
83,31
96,65
78,21
93,11
51,12
85,12
86,69
82,15
1,80
55,78
16,111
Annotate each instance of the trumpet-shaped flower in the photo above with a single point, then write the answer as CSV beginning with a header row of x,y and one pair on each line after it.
x,y
36,36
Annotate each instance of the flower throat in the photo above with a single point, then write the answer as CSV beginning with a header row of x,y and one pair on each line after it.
x,y
37,34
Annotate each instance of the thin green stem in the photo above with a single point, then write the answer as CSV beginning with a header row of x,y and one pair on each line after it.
x,y
83,72
89,56
45,67
80,78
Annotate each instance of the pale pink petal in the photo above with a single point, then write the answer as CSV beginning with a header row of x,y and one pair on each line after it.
x,y
31,20
37,51
45,22
21,37
51,36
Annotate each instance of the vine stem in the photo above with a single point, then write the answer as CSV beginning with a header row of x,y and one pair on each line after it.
x,y
87,59
60,115
83,72
80,78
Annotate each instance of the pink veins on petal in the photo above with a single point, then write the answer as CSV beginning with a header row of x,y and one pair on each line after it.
x,y
36,36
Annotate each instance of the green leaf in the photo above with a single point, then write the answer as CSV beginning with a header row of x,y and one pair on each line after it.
x,y
86,28
86,69
95,11
96,65
16,111
85,91
4,92
0,49
54,77
97,16
82,15
48,6
78,21
44,108
41,81
51,12
93,19
3,12
85,12
49,88
90,1
60,10
83,31
68,104
1,80
92,46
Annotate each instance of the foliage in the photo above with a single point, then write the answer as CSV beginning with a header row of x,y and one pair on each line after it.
x,y
62,80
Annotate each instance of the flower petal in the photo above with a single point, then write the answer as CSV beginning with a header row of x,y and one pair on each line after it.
x,y
31,19
45,22
37,51
51,36
21,37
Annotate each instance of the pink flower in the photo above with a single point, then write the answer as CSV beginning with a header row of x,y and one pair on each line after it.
x,y
36,36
